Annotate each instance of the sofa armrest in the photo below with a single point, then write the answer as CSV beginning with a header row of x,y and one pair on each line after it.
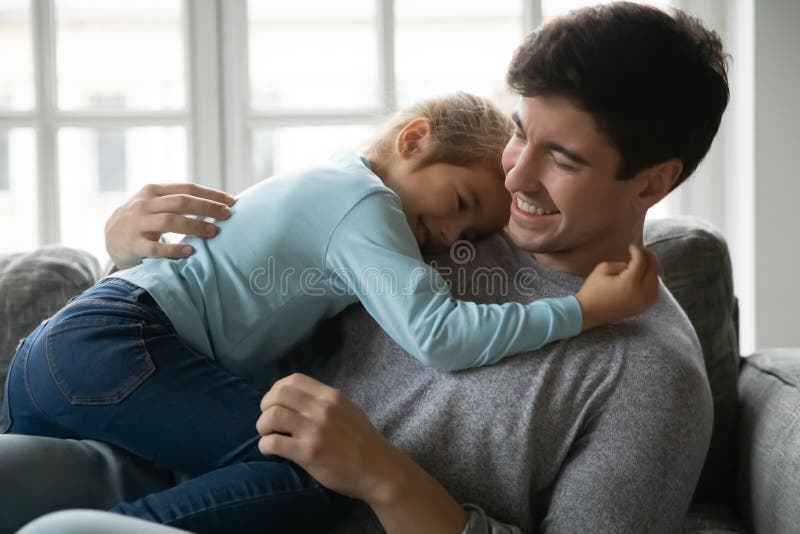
x,y
769,440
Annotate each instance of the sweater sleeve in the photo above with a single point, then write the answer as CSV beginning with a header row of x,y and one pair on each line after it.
x,y
373,254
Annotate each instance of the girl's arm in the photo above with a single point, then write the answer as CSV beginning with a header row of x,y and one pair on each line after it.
x,y
373,254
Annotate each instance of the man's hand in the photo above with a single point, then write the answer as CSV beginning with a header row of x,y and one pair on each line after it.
x,y
616,290
134,229
320,429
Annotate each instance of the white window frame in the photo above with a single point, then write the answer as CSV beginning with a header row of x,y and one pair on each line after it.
x,y
239,120
217,117
200,116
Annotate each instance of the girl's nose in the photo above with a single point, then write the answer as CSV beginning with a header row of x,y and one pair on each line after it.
x,y
450,234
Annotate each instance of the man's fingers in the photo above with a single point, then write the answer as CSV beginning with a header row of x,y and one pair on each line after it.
x,y
196,190
155,249
161,223
279,445
185,204
286,394
282,420
312,387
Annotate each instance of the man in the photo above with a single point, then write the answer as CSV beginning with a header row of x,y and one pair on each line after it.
x,y
602,433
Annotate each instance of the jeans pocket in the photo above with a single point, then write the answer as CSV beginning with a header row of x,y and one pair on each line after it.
x,y
98,360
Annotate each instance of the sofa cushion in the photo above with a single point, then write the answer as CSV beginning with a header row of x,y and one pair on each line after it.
x,y
769,441
697,271
35,285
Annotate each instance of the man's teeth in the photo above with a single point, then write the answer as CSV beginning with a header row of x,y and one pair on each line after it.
x,y
532,209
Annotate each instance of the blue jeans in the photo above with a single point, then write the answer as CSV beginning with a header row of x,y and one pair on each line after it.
x,y
110,367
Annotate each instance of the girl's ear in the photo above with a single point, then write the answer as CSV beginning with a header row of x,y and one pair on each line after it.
x,y
413,138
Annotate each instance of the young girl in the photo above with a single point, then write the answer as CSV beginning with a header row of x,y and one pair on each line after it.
x,y
150,358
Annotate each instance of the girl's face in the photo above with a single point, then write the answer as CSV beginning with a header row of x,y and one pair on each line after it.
x,y
445,203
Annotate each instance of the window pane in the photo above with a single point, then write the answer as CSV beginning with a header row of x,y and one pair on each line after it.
x,y
286,149
452,45
312,54
101,168
16,74
19,229
118,54
554,8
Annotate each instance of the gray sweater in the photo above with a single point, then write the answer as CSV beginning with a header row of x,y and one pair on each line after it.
x,y
605,432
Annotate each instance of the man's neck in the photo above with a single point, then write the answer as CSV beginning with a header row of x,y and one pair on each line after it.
x,y
580,261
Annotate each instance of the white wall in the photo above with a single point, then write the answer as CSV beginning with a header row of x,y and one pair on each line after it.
x,y
777,172
748,183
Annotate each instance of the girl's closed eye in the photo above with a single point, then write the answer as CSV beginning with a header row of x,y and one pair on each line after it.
x,y
462,204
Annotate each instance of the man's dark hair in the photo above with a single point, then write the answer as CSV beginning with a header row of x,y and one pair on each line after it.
x,y
655,84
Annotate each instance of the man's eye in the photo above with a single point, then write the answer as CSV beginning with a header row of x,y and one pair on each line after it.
x,y
462,206
565,166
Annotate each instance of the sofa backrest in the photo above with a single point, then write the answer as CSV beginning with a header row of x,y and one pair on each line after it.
x,y
697,271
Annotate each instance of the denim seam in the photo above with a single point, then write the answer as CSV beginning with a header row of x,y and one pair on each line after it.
x,y
109,302
135,307
235,502
113,280
27,382
98,400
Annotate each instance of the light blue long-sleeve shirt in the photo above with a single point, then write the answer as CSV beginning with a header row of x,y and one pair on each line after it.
x,y
300,247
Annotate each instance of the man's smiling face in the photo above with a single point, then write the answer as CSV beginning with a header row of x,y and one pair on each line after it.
x,y
567,208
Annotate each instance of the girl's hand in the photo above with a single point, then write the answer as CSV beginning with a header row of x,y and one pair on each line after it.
x,y
134,229
616,290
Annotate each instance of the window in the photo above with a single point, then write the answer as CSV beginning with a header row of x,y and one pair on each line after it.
x,y
98,83
319,75
3,161
99,97
111,149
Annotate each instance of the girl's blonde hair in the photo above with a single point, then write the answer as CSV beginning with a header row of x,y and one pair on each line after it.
x,y
467,130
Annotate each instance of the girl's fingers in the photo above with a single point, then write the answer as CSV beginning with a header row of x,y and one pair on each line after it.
x,y
154,249
609,268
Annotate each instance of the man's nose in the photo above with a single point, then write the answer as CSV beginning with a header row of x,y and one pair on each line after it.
x,y
523,173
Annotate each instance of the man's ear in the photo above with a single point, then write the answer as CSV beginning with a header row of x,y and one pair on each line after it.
x,y
413,138
656,181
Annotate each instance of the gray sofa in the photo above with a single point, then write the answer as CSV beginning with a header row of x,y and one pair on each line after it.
x,y
751,478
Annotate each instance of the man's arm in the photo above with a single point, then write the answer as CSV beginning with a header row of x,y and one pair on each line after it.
x,y
635,468
321,430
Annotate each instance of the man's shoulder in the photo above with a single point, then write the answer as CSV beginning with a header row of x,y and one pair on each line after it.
x,y
661,350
